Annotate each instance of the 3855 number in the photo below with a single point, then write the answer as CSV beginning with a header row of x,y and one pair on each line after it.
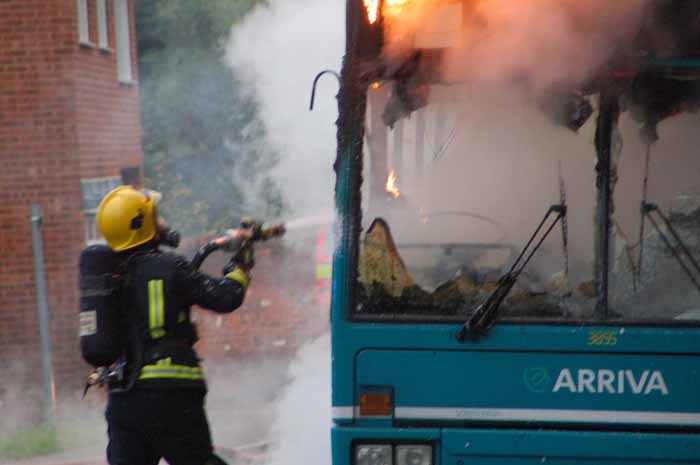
x,y
605,338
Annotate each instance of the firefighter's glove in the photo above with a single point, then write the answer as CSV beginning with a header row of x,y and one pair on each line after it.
x,y
238,268
98,377
245,257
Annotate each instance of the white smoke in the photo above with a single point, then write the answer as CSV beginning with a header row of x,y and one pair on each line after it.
x,y
303,414
278,50
550,40
536,42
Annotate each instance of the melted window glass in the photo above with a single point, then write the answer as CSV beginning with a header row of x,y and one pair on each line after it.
x,y
449,288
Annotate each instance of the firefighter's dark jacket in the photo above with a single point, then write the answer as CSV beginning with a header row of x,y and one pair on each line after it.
x,y
157,291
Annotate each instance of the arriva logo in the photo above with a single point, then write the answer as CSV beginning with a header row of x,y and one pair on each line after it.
x,y
611,382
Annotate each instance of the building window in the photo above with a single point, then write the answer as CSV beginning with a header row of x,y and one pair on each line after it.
x,y
93,191
102,33
122,29
83,26
92,234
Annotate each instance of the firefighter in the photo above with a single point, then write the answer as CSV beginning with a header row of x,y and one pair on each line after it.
x,y
156,398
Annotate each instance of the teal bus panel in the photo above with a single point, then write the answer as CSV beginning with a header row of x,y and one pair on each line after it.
x,y
521,447
497,447
570,388
378,354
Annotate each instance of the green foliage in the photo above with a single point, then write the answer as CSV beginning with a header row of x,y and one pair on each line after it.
x,y
38,440
203,142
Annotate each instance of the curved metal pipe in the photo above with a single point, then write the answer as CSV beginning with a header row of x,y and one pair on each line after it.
x,y
313,87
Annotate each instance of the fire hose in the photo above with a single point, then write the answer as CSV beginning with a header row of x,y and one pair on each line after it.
x,y
238,241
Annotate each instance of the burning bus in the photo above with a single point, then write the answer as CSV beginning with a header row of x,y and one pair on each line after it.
x,y
516,278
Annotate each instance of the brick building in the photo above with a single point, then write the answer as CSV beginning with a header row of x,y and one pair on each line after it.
x,y
69,131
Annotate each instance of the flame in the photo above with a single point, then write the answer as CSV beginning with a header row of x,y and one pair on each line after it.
x,y
391,185
395,7
391,7
372,7
376,85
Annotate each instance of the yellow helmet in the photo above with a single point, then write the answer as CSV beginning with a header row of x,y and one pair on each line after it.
x,y
126,217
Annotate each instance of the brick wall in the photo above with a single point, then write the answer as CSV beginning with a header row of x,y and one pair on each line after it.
x,y
63,117
108,115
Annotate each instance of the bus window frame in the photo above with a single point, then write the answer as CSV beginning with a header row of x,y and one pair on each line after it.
x,y
450,320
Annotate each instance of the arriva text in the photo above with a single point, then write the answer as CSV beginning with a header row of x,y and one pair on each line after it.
x,y
611,382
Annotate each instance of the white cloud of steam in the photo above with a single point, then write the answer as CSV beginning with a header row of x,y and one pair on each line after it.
x,y
20,395
301,431
502,163
278,50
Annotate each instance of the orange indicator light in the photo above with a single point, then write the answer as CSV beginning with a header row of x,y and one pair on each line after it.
x,y
375,404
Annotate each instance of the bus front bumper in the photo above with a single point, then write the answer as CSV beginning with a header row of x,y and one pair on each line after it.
x,y
453,446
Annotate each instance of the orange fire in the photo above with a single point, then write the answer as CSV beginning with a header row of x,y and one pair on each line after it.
x,y
395,7
391,8
391,187
372,7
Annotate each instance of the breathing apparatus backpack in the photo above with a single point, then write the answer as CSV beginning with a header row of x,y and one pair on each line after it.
x,y
101,341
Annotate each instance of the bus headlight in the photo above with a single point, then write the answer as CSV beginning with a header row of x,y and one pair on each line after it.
x,y
373,454
414,455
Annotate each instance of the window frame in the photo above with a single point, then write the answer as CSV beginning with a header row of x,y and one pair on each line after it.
x,y
83,22
102,25
352,315
93,190
92,233
122,32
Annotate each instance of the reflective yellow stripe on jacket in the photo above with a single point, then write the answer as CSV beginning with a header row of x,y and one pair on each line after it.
x,y
240,277
156,314
164,368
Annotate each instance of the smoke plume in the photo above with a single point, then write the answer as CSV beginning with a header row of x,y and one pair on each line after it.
x,y
302,417
486,145
496,155
278,50
536,43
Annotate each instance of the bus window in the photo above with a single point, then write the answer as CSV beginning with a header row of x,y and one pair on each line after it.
x,y
456,185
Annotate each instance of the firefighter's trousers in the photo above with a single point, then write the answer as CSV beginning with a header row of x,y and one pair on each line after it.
x,y
145,425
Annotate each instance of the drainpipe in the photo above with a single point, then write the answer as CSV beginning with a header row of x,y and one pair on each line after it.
x,y
49,391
